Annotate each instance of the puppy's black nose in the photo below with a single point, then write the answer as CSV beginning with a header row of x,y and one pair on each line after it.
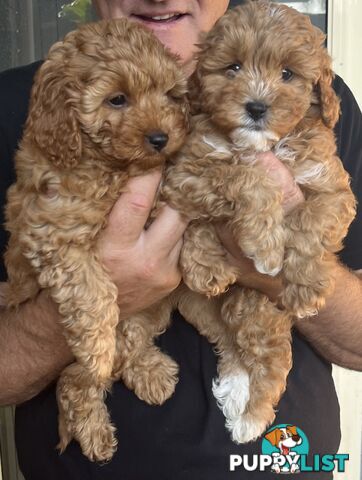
x,y
158,140
256,110
296,438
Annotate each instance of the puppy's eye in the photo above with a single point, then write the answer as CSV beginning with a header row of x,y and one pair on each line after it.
x,y
232,70
118,101
235,67
287,74
175,98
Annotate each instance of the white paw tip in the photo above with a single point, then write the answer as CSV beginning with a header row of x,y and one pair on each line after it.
x,y
246,429
232,394
260,266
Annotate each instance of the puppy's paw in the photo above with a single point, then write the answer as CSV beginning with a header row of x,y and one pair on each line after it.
x,y
232,395
210,281
248,427
302,301
91,428
98,443
233,398
270,265
65,431
153,382
275,468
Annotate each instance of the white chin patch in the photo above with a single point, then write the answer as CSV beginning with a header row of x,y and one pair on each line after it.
x,y
261,140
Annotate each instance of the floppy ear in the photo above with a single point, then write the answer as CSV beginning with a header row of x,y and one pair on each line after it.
x,y
272,437
194,92
292,429
195,80
328,100
52,121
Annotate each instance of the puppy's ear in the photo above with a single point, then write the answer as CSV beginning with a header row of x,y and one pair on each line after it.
x,y
195,80
292,429
272,437
194,92
52,122
328,100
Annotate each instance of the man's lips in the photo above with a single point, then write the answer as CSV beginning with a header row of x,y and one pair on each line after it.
x,y
159,19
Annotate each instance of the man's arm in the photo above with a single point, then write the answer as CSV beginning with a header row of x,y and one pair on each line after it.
x,y
142,263
33,350
336,332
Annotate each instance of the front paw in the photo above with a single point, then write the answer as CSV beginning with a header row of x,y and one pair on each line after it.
x,y
153,381
248,427
210,281
93,431
233,398
275,468
270,265
302,301
100,444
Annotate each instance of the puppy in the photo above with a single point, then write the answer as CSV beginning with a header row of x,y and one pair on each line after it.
x,y
107,104
263,81
284,439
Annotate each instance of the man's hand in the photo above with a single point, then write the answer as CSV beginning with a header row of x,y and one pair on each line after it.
x,y
142,263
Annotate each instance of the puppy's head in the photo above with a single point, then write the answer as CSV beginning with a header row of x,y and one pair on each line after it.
x,y
109,92
261,70
284,438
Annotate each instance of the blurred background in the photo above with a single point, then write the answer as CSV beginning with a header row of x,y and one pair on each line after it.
x,y
29,27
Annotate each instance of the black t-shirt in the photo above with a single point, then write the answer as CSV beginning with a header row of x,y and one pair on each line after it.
x,y
185,439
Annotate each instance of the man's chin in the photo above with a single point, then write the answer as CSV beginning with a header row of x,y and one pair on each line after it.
x,y
174,36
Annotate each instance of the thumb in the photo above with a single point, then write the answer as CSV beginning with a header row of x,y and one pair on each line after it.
x,y
292,194
131,211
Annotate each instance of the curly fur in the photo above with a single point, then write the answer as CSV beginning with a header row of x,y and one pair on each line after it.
x,y
74,160
215,177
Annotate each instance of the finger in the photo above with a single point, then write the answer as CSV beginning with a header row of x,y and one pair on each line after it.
x,y
227,239
166,231
131,211
174,261
174,254
292,194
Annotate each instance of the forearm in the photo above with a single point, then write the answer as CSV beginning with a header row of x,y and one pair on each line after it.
x,y
336,332
33,350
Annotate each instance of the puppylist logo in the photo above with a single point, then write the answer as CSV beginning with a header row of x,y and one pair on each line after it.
x,y
284,451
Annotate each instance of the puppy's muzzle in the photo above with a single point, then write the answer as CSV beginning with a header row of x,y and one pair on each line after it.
x,y
256,110
157,140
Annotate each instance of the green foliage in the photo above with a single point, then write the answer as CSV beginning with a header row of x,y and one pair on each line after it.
x,y
78,11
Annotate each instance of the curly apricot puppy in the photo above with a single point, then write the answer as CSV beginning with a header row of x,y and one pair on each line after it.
x,y
107,104
262,82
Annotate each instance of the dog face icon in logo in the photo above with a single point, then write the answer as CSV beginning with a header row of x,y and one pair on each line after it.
x,y
283,447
